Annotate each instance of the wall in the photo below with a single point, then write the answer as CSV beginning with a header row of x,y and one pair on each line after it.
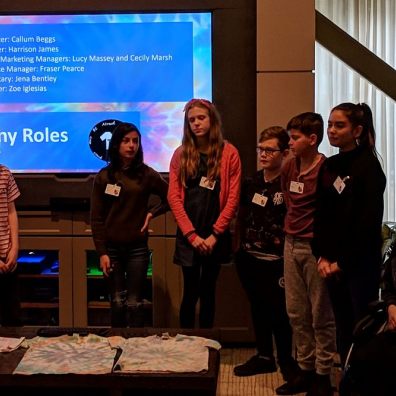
x,y
285,60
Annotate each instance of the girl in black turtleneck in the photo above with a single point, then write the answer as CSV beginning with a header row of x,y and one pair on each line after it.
x,y
348,221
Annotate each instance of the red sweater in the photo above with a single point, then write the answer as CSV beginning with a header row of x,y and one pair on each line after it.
x,y
230,180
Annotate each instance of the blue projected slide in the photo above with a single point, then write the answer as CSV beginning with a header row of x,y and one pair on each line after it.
x,y
60,75
44,60
50,141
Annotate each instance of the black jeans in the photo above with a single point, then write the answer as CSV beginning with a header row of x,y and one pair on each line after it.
x,y
264,285
373,366
350,296
9,300
199,282
126,285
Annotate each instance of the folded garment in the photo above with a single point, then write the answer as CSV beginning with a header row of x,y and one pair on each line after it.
x,y
8,344
181,354
67,354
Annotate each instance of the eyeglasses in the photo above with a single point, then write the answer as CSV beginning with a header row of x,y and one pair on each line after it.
x,y
267,151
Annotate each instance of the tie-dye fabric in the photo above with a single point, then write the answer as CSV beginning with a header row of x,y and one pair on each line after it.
x,y
178,354
67,354
9,344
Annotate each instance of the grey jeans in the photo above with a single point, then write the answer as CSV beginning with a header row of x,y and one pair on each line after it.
x,y
309,307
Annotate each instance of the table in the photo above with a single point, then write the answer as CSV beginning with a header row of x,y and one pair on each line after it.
x,y
114,384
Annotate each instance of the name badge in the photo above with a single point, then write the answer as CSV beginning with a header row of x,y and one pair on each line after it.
x,y
339,184
113,189
260,199
297,187
207,183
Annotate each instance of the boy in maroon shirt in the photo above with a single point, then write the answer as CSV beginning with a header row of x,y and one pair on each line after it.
x,y
307,301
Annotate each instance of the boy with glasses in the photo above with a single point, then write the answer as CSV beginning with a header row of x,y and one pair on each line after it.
x,y
259,261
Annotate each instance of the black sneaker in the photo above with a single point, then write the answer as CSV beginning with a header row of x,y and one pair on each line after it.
x,y
321,386
299,383
289,369
255,365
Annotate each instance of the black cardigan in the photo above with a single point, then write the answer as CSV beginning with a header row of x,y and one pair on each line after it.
x,y
347,225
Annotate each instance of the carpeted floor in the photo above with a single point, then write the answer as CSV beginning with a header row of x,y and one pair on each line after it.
x,y
256,385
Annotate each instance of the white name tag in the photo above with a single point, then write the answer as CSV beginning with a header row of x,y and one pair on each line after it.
x,y
259,199
297,187
113,189
339,184
207,183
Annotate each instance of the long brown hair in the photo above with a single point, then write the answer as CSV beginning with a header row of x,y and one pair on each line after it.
x,y
190,155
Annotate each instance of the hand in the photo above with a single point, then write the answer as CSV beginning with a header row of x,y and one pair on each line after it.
x,y
392,317
3,267
324,267
146,223
11,260
210,243
199,244
327,268
334,268
105,264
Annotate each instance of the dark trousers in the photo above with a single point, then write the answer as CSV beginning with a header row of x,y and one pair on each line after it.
x,y
9,300
350,295
264,285
199,283
373,366
126,284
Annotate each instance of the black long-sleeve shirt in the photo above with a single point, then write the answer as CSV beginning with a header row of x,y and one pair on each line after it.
x,y
261,227
117,220
348,223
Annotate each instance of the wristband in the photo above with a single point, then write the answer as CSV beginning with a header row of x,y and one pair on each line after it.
x,y
215,233
189,233
192,237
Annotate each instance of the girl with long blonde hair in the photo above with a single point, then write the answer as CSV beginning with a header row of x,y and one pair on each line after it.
x,y
204,186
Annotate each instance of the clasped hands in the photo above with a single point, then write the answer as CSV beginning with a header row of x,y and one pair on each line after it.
x,y
327,268
204,246
10,263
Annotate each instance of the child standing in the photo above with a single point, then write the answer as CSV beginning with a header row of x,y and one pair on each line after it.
x,y
204,187
349,218
307,300
259,261
9,300
120,217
